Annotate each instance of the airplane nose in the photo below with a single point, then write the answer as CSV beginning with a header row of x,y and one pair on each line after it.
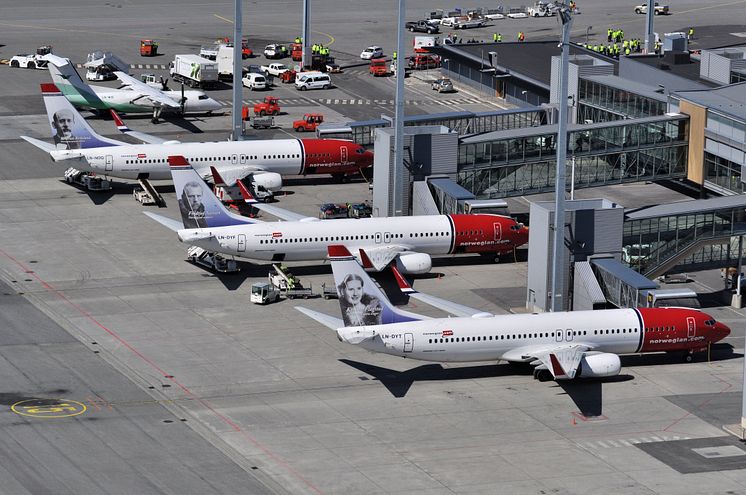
x,y
721,330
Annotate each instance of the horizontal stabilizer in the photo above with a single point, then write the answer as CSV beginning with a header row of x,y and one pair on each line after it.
x,y
174,225
140,136
42,145
326,320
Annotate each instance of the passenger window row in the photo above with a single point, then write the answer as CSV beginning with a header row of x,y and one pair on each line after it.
x,y
428,234
216,158
540,335
323,239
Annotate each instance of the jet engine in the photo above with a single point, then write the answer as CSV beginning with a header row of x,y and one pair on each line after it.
x,y
266,181
599,365
414,263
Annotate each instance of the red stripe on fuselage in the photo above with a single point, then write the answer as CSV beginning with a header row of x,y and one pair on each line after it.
x,y
484,233
675,329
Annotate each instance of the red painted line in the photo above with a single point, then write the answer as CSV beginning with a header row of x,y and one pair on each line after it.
x,y
234,426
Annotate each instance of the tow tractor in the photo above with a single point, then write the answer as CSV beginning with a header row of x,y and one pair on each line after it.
x,y
32,61
148,48
88,180
288,77
296,52
213,261
270,106
308,123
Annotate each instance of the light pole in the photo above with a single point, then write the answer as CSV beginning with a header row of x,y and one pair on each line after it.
x,y
587,30
237,133
399,112
558,258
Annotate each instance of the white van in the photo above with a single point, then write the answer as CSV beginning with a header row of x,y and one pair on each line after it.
x,y
254,81
313,80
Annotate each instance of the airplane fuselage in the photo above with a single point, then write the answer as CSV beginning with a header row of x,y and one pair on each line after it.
x,y
132,101
502,337
282,156
309,240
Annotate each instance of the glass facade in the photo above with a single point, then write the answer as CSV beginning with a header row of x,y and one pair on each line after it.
x,y
723,173
722,162
624,151
601,103
649,242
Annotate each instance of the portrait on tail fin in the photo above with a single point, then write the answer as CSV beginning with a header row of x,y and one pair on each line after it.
x,y
191,206
63,123
359,308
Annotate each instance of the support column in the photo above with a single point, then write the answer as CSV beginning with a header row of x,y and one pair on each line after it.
x,y
399,112
306,62
237,132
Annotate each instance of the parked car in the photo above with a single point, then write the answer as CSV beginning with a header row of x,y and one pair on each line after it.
x,y
442,85
658,9
254,81
371,52
313,80
360,210
422,27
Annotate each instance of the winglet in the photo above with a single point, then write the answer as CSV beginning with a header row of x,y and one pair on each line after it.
x,y
338,251
177,161
557,369
367,264
217,179
118,121
247,196
404,286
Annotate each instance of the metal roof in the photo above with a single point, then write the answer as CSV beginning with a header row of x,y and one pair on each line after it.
x,y
730,99
687,207
624,273
635,87
451,188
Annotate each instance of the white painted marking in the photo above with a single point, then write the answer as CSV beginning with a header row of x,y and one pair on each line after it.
x,y
602,444
613,443
656,439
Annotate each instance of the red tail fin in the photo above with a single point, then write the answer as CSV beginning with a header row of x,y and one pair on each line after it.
x,y
247,196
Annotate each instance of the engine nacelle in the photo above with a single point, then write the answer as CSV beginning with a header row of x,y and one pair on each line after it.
x,y
172,141
266,181
599,365
414,263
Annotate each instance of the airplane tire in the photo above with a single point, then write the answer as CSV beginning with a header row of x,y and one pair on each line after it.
x,y
688,357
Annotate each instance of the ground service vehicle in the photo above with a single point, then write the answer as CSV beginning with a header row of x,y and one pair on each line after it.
x,y
274,51
100,66
658,9
89,181
541,9
313,80
462,22
194,71
422,27
263,122
296,52
378,67
213,261
360,210
371,52
288,76
263,293
210,52
274,69
309,122
494,14
333,210
32,61
148,48
224,59
270,106
443,85
424,62
517,14
254,81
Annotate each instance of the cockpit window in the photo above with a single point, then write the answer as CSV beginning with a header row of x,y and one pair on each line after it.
x,y
360,151
710,323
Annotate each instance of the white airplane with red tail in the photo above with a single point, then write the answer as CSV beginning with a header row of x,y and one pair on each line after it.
x,y
561,345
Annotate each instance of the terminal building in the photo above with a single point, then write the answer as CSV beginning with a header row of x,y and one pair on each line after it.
x,y
678,118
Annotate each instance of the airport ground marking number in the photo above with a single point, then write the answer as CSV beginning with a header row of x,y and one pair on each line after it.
x,y
40,408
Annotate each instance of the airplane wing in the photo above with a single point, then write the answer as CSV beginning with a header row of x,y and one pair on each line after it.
x,y
282,213
562,360
156,97
326,320
451,307
140,136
